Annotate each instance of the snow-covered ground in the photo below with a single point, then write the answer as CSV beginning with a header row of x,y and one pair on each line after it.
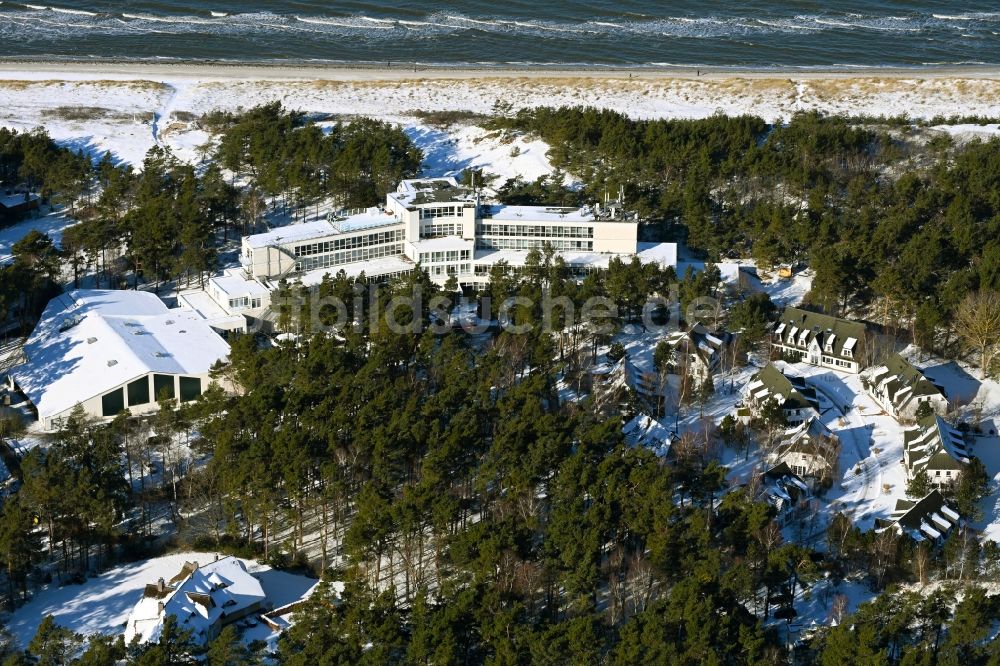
x,y
128,111
964,386
51,223
102,604
449,151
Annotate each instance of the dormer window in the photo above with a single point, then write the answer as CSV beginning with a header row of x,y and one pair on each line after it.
x,y
829,343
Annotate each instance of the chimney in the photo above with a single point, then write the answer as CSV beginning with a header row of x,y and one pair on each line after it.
x,y
159,607
160,585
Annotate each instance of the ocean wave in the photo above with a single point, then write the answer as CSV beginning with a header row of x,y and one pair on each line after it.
x,y
190,20
78,12
969,16
617,38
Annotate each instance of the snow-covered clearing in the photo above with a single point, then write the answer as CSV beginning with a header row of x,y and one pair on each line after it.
x,y
450,150
102,604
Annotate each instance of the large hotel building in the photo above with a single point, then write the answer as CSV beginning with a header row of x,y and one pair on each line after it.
x,y
447,230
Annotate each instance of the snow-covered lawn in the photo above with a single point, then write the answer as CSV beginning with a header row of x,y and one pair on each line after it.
x,y
102,604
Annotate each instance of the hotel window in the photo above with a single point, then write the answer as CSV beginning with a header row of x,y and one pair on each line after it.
x,y
163,387
190,388
138,392
112,403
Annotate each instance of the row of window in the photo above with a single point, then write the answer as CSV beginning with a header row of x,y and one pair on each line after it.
x,y
244,302
449,255
137,393
458,269
348,257
829,360
826,359
533,231
364,240
440,230
440,211
532,243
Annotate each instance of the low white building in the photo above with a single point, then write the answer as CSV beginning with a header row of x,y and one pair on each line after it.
x,y
228,300
202,599
449,231
110,350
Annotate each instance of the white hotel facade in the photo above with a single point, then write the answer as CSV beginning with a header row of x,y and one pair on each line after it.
x,y
447,230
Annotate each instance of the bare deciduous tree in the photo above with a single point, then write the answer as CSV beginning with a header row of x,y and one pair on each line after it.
x,y
977,321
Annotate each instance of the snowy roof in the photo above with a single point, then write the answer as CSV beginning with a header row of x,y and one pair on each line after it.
x,y
664,254
91,341
371,268
290,234
643,430
202,597
791,392
418,191
811,437
929,517
934,445
306,231
543,214
901,381
368,219
442,244
16,199
233,283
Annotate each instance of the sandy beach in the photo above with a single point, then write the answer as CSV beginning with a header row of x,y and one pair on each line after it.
x,y
126,108
30,69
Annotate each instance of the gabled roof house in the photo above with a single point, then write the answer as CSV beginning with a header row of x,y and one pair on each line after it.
x,y
819,339
935,449
203,599
900,388
798,400
928,519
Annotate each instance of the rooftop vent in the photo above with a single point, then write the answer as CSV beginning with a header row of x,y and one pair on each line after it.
x,y
169,322
91,341
69,322
162,354
112,363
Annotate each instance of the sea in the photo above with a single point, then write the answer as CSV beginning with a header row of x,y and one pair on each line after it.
x,y
490,33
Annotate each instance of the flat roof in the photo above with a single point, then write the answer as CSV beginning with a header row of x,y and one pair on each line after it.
x,y
546,214
442,244
305,231
371,268
664,254
290,234
419,191
233,283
